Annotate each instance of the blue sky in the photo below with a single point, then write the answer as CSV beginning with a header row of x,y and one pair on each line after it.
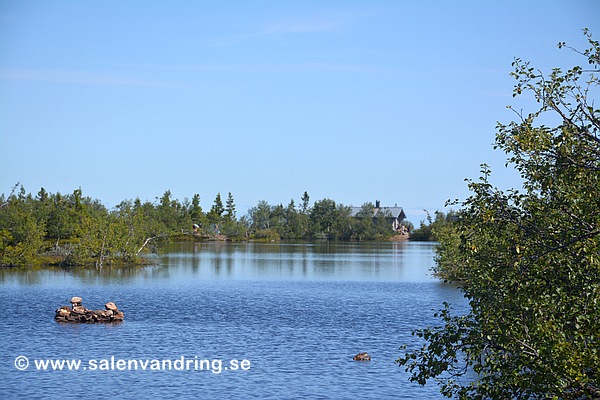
x,y
349,100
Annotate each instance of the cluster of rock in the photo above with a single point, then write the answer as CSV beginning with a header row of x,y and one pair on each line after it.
x,y
77,313
362,357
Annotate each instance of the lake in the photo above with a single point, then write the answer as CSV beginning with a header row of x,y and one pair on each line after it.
x,y
227,320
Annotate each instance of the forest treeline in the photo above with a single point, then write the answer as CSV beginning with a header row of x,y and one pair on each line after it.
x,y
72,229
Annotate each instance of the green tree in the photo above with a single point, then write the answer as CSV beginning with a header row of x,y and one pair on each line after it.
x,y
216,211
305,203
449,263
530,259
195,209
147,231
230,207
260,216
89,243
21,234
303,225
42,208
166,211
60,224
134,230
423,232
323,216
265,222
235,229
42,195
196,216
277,218
343,223
383,224
364,226
292,228
429,231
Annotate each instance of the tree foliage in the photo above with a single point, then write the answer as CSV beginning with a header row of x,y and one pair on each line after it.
x,y
434,227
528,259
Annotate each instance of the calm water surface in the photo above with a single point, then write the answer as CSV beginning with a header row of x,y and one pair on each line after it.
x,y
297,312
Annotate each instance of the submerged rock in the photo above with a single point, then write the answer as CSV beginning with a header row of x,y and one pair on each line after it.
x,y
362,357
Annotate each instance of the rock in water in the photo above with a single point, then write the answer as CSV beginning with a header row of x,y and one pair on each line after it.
x,y
79,314
362,357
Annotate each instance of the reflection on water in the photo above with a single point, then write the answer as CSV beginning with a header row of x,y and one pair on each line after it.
x,y
381,261
51,276
338,261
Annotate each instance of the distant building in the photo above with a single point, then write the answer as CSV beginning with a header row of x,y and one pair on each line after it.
x,y
394,215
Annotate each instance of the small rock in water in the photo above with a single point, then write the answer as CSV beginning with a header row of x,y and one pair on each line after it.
x,y
362,357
